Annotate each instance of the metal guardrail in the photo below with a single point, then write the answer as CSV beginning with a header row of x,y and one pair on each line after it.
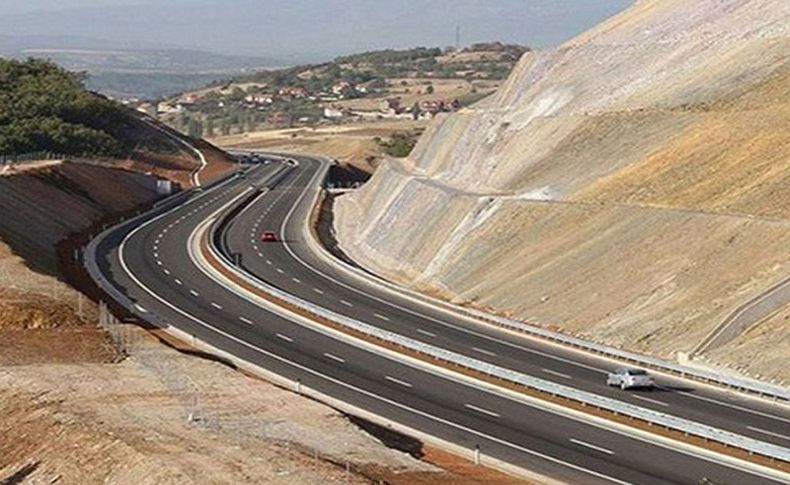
x,y
751,386
661,419
589,399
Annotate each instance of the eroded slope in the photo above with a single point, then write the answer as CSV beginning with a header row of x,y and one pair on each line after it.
x,y
631,186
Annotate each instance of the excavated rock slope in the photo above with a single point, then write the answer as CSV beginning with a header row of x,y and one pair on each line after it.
x,y
631,186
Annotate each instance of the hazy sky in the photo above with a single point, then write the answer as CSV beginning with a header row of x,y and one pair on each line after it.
x,y
304,30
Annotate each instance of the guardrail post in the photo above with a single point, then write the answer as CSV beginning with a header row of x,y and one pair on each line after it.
x,y
477,454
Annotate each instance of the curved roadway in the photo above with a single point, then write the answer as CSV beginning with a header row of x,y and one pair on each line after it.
x,y
149,261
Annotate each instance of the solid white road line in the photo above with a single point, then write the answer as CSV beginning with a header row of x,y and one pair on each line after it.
x,y
555,373
398,381
769,433
335,358
591,446
216,305
484,351
647,399
284,337
246,320
481,410
379,315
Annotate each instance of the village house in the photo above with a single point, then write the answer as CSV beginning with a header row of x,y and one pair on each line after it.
x,y
344,89
335,112
293,91
391,106
259,98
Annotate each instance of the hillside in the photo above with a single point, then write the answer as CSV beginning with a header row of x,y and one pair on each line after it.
x,y
355,108
629,186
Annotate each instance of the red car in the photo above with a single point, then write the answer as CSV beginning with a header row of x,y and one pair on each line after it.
x,y
268,236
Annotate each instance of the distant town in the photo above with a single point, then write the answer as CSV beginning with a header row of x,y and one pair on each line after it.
x,y
413,84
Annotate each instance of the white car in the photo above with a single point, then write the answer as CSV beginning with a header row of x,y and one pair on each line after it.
x,y
628,378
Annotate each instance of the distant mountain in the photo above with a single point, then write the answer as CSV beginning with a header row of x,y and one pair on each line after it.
x,y
132,73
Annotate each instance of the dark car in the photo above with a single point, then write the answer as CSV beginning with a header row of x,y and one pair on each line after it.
x,y
268,236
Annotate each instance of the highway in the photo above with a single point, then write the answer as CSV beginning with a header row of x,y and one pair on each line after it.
x,y
151,263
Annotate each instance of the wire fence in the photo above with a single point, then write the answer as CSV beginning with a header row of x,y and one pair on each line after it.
x,y
297,458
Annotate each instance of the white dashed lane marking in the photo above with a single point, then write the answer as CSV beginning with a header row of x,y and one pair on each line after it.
x,y
591,446
555,373
647,399
335,358
769,433
284,337
398,381
484,351
481,410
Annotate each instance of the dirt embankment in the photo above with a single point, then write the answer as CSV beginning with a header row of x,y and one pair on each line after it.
x,y
353,143
630,186
79,407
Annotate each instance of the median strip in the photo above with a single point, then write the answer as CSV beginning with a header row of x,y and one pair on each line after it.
x,y
653,422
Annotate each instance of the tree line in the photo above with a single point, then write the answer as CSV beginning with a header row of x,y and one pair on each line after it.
x,y
44,107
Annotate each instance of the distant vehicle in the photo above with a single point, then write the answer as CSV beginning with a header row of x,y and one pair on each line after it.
x,y
269,236
629,378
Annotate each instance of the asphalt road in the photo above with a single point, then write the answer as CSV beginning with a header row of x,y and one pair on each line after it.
x,y
150,262
295,268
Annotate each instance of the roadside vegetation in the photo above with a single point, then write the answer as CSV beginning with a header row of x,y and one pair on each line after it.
x,y
45,108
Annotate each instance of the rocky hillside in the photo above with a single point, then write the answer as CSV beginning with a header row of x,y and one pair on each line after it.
x,y
631,186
